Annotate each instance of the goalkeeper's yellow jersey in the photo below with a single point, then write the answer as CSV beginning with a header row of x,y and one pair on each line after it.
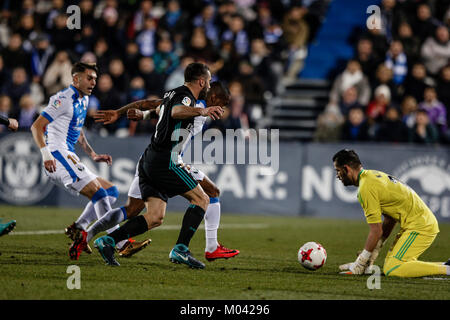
x,y
380,193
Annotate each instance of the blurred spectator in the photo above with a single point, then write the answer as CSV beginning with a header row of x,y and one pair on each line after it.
x,y
206,20
436,111
26,29
253,89
355,127
112,32
392,129
329,124
349,101
118,75
415,82
61,36
174,20
384,75
5,76
132,56
377,107
146,38
56,9
102,54
424,24
85,41
409,110
410,42
165,59
27,113
234,116
14,55
436,50
316,13
261,62
109,98
144,12
87,14
58,75
237,35
17,87
154,82
137,92
296,34
397,61
443,88
41,55
379,42
366,57
5,109
176,78
423,131
389,17
200,48
351,77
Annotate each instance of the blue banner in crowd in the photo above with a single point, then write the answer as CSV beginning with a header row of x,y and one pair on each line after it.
x,y
304,183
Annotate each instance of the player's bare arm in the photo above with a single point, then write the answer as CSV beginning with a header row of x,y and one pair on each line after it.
x,y
38,129
375,233
90,151
183,112
111,116
137,115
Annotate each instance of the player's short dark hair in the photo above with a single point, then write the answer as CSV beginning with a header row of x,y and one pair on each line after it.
x,y
195,71
221,92
82,66
347,157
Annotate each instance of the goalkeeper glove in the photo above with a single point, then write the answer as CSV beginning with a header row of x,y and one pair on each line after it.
x,y
360,265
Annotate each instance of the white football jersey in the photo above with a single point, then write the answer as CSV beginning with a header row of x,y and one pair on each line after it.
x,y
66,111
199,121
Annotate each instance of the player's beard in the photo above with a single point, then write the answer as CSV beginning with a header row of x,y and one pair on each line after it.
x,y
203,93
346,181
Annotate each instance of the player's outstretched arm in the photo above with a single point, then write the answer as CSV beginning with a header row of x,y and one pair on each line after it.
x,y
111,116
38,129
91,153
183,112
11,123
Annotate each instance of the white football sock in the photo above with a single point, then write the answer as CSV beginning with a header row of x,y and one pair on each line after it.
x,y
87,216
212,221
111,219
448,270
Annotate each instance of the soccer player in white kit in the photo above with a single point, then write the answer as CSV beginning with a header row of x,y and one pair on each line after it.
x,y
56,131
217,95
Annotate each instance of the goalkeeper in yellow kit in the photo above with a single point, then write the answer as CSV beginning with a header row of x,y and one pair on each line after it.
x,y
383,195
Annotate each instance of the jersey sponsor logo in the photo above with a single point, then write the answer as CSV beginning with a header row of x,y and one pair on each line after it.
x,y
22,177
429,176
186,101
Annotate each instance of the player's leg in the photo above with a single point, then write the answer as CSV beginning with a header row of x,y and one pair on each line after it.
x,y
213,249
154,216
401,260
99,197
89,214
191,220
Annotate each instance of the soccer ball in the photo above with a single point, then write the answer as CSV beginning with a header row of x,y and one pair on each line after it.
x,y
312,255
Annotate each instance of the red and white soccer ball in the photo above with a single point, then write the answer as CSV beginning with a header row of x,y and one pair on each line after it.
x,y
312,255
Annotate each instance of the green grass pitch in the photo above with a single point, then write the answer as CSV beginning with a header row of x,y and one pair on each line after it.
x,y
34,266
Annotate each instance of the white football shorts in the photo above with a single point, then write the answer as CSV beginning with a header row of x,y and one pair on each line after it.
x,y
70,172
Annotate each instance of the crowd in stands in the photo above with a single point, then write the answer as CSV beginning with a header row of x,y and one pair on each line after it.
x,y
142,47
396,88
